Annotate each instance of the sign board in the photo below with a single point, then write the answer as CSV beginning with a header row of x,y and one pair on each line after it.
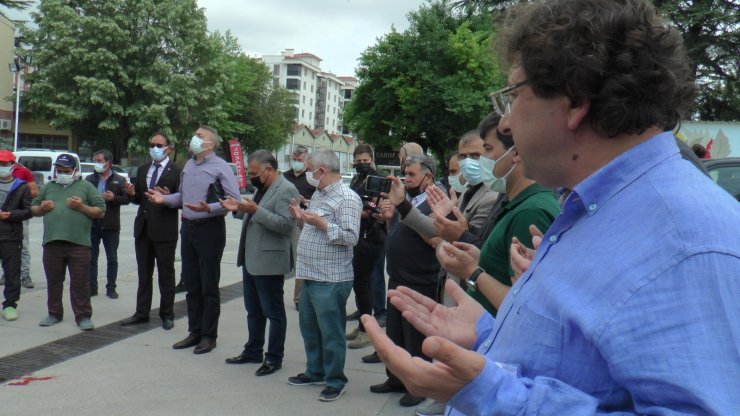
x,y
237,157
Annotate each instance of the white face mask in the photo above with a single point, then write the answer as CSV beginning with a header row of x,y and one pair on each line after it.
x,y
312,180
297,166
65,178
100,167
196,145
489,178
5,171
454,181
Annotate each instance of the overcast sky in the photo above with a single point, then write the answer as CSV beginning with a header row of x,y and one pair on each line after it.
x,y
337,31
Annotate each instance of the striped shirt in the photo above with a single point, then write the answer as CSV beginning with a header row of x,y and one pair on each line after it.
x,y
326,256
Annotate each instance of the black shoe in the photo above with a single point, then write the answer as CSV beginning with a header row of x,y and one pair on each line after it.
x,y
381,320
353,316
180,287
387,387
111,293
133,320
268,368
94,292
409,400
168,324
303,380
329,394
205,345
189,341
373,358
244,358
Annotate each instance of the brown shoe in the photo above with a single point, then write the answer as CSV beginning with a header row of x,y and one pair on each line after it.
x,y
361,341
205,345
190,341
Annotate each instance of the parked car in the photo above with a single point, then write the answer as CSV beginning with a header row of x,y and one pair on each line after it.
x,y
725,173
41,161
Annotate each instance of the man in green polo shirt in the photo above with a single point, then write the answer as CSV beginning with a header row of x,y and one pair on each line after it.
x,y
488,271
68,205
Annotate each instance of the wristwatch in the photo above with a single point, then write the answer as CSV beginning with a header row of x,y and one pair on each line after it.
x,y
472,281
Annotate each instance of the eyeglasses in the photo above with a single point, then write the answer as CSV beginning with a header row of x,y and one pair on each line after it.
x,y
501,99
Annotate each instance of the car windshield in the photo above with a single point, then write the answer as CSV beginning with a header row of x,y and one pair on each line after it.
x,y
42,163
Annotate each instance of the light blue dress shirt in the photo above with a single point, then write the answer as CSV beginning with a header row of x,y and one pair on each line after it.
x,y
631,304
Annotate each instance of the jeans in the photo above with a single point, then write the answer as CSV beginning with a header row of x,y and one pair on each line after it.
x,y
110,240
378,287
263,299
201,248
25,253
321,317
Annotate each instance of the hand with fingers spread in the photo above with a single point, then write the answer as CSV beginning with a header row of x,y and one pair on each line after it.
x,y
162,190
155,196
199,207
457,324
295,210
130,189
521,255
230,203
459,259
107,196
439,202
450,230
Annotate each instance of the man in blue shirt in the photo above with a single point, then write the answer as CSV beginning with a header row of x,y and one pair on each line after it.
x,y
630,303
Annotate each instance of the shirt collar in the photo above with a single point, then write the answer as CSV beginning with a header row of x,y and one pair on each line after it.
x,y
594,191
162,162
332,186
523,195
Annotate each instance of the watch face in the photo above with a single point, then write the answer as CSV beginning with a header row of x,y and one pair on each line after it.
x,y
471,285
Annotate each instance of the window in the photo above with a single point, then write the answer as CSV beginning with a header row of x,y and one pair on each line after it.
x,y
294,70
296,113
305,72
311,87
292,84
303,113
311,100
347,94
304,99
275,82
304,85
276,69
310,115
42,141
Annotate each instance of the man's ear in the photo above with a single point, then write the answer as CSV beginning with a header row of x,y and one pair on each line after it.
x,y
577,112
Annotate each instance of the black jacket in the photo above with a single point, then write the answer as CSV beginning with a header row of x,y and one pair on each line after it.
x,y
372,232
115,184
156,222
18,203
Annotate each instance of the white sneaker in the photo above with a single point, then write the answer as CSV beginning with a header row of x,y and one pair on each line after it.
x,y
432,409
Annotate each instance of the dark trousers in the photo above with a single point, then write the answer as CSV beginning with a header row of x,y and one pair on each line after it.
x,y
201,247
364,258
59,256
147,251
263,299
400,331
10,253
110,240
378,285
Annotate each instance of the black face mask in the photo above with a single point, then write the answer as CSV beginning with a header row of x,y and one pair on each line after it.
x,y
363,168
414,192
257,182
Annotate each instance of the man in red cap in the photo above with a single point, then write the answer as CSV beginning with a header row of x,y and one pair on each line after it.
x,y
15,200
24,174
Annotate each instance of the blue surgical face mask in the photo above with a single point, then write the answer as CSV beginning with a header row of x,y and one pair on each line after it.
x,y
297,166
64,178
157,153
312,180
471,171
489,178
196,145
99,167
454,181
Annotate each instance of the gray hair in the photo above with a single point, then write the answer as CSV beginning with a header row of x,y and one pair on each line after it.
x,y
299,150
264,158
213,131
426,163
469,137
324,158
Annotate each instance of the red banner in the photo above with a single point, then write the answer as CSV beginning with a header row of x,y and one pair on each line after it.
x,y
237,158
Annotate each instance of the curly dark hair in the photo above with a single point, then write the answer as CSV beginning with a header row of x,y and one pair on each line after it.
x,y
491,122
619,54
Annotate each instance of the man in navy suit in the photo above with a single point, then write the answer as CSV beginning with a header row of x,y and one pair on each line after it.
x,y
155,232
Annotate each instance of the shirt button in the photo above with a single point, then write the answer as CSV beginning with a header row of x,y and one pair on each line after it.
x,y
487,343
592,207
553,238
516,292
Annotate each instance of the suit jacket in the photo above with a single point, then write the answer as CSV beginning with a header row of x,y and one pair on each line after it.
x,y
156,222
476,213
267,248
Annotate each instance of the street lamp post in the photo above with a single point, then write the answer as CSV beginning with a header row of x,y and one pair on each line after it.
x,y
19,63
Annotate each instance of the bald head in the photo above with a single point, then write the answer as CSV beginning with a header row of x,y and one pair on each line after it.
x,y
409,149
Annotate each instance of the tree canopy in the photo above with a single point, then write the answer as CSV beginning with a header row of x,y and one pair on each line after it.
x,y
116,71
428,84
16,4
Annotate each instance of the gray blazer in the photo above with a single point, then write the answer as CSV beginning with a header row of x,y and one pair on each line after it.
x,y
267,248
475,213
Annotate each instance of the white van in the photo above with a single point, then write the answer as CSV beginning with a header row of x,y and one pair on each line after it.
x,y
42,161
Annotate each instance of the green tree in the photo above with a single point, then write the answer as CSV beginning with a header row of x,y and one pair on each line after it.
x,y
429,84
16,4
261,116
118,70
711,32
